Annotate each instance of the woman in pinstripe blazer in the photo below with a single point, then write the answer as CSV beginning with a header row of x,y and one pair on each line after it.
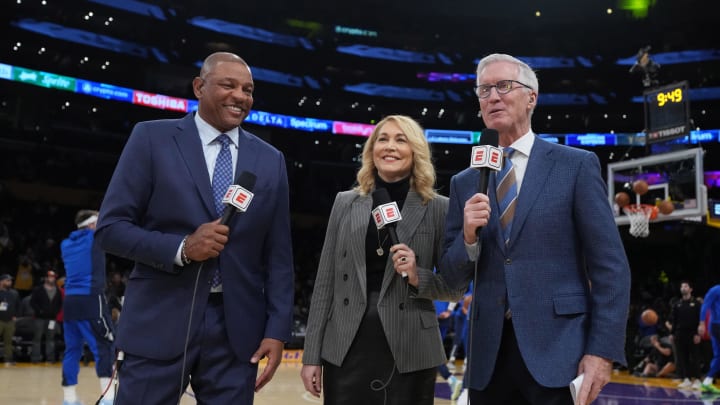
x,y
372,337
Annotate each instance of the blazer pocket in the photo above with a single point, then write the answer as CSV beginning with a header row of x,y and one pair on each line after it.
x,y
570,304
144,271
428,319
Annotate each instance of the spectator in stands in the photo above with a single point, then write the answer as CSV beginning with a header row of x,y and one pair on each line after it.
x,y
86,312
683,324
9,307
115,293
8,257
24,280
46,302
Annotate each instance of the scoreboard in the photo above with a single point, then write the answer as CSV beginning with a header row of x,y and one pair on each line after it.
x,y
667,112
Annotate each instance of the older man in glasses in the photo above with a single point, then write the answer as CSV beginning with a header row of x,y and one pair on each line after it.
x,y
553,282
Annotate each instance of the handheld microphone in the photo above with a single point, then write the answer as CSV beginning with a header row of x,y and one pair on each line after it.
x,y
386,214
485,157
238,196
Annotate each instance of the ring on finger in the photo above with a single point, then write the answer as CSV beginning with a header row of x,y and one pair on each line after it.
x,y
403,259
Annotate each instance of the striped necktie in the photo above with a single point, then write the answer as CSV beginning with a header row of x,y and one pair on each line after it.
x,y
507,193
221,180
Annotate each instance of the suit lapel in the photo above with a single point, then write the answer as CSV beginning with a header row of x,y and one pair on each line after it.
x,y
412,213
247,154
359,222
191,149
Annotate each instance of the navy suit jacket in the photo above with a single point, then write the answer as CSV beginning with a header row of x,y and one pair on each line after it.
x,y
159,193
565,271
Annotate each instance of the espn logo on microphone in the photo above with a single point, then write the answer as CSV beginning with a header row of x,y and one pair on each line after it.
x,y
486,156
386,214
238,197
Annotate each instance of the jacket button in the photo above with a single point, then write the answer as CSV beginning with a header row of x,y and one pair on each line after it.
x,y
345,277
508,261
401,306
346,301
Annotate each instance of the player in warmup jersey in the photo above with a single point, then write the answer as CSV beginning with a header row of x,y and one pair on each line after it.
x,y
711,303
85,311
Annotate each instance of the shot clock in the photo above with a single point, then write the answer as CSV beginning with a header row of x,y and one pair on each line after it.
x,y
667,112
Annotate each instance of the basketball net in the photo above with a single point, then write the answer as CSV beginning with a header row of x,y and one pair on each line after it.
x,y
639,215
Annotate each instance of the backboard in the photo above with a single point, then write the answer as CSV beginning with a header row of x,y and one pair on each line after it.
x,y
677,176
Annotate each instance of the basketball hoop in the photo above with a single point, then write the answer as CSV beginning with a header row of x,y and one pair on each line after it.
x,y
639,215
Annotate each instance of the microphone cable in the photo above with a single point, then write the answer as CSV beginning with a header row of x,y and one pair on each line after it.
x,y
187,335
121,354
246,180
113,381
378,384
468,349
118,359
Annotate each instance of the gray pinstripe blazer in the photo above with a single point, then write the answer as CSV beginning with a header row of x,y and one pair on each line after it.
x,y
340,297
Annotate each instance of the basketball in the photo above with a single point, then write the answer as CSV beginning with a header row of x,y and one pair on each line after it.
x,y
649,317
622,199
666,207
653,212
640,187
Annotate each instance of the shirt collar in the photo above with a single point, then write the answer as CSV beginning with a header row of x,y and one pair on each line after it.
x,y
525,143
208,133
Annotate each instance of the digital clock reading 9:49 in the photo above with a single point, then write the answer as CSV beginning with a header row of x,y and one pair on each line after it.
x,y
667,112
672,96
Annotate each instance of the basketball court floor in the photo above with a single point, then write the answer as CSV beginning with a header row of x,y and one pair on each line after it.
x,y
27,384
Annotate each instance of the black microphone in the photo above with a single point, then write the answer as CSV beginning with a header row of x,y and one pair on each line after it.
x,y
386,214
486,157
238,196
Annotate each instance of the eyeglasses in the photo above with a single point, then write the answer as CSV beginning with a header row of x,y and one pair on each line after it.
x,y
502,87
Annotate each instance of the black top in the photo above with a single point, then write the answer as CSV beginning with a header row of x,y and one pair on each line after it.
x,y
9,304
375,238
685,316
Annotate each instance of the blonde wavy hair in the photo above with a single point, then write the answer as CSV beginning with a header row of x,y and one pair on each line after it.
x,y
422,175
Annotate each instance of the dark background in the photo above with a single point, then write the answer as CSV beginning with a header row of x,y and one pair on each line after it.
x,y
58,149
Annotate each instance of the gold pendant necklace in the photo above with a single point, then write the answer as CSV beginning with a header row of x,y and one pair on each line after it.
x,y
380,250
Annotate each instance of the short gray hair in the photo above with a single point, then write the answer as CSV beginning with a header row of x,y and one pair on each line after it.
x,y
525,72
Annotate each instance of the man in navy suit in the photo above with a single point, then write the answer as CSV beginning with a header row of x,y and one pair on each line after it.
x,y
553,281
178,324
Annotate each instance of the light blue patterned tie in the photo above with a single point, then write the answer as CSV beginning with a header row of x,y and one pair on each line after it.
x,y
507,193
221,180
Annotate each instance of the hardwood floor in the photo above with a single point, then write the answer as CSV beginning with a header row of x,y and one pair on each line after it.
x,y
27,384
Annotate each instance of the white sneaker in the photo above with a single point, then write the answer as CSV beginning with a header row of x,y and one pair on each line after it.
x,y
686,383
463,398
696,385
455,387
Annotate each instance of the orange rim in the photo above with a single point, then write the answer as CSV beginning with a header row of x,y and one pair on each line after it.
x,y
645,208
